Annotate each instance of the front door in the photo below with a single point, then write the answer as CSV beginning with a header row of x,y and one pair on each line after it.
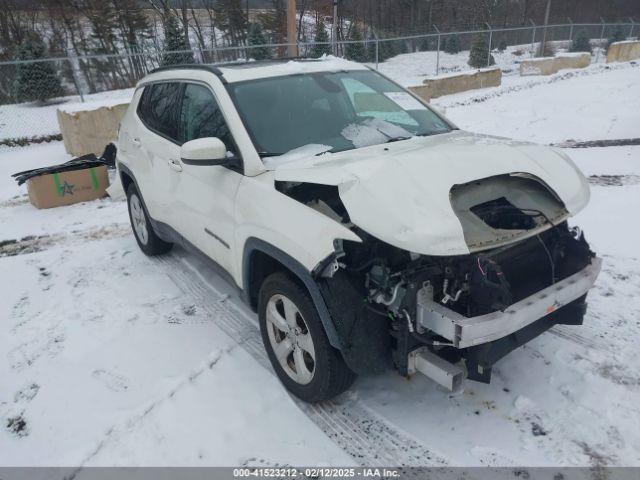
x,y
205,195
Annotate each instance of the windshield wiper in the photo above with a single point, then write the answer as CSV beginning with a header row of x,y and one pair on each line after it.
x,y
396,139
269,154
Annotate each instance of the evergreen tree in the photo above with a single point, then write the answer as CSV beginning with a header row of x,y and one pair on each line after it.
x,y
453,45
387,50
355,51
502,45
616,36
479,53
443,44
321,47
36,80
580,43
256,37
176,47
425,44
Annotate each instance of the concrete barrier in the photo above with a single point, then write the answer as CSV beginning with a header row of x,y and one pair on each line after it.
x,y
551,65
537,66
458,82
623,51
88,128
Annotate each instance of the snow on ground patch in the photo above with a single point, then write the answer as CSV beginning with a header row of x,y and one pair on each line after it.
x,y
580,107
102,354
412,69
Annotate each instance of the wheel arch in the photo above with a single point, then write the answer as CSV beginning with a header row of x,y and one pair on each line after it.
x,y
127,177
261,259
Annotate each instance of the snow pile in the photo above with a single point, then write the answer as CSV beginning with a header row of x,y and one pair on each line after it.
x,y
74,107
292,67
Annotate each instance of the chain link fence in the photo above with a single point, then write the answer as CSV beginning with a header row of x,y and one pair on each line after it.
x,y
31,91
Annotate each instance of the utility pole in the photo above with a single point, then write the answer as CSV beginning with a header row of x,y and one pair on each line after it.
x,y
544,32
292,29
334,28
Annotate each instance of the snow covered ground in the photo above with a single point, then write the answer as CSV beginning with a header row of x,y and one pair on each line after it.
x,y
31,119
108,357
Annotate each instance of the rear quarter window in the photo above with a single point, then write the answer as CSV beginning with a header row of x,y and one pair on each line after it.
x,y
159,108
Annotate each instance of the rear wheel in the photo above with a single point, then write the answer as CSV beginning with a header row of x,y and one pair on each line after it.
x,y
147,239
297,344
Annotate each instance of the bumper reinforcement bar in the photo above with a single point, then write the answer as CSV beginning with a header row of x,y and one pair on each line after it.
x,y
466,332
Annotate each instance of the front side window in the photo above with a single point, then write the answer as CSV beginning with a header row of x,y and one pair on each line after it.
x,y
201,117
341,110
159,108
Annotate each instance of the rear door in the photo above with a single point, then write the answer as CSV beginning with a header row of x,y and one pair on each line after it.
x,y
205,195
159,147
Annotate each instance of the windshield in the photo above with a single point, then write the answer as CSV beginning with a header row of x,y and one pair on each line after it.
x,y
341,111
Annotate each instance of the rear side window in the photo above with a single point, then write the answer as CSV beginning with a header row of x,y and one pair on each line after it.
x,y
201,117
159,108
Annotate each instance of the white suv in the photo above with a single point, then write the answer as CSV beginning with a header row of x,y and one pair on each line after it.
x,y
365,229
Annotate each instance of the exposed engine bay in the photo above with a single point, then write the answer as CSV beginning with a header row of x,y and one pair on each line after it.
x,y
387,302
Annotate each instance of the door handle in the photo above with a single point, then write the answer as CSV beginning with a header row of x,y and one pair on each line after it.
x,y
175,165
136,142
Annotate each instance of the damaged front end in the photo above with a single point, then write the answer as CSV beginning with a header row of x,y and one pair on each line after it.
x,y
475,308
451,317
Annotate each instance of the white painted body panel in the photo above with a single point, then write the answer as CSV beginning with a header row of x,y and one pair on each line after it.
x,y
400,192
301,232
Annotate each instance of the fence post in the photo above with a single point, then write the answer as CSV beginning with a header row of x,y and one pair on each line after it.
x,y
631,30
334,28
377,52
570,30
75,80
490,38
533,38
437,52
601,37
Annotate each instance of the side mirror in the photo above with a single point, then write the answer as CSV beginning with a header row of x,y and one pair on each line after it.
x,y
204,151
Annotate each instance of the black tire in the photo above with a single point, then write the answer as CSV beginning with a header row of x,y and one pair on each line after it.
x,y
331,374
151,244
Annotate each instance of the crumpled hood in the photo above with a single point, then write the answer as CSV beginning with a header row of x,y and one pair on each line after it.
x,y
399,192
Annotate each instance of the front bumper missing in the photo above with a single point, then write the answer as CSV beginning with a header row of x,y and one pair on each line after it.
x,y
466,332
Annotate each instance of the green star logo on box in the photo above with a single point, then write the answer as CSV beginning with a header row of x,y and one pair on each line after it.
x,y
66,189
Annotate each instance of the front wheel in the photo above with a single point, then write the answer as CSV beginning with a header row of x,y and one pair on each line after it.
x,y
297,344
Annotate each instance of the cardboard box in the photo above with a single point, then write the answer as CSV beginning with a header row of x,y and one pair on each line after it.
x,y
66,188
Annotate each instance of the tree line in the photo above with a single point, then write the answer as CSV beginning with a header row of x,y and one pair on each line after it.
x,y
113,43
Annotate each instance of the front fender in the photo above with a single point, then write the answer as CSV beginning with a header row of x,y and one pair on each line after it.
x,y
253,245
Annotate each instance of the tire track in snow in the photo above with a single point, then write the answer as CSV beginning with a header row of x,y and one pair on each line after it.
x,y
569,334
360,432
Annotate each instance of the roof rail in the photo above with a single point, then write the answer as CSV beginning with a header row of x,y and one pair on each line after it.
x,y
212,67
188,66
